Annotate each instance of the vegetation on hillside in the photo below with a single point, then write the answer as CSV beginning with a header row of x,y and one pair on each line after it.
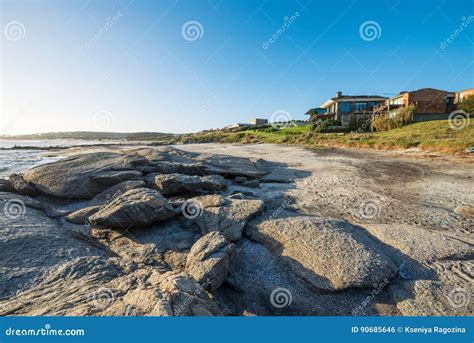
x,y
431,136
467,105
389,121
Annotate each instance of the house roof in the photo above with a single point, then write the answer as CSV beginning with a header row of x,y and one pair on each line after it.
x,y
343,98
417,90
312,111
466,90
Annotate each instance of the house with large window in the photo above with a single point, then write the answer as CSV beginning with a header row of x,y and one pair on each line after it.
x,y
346,108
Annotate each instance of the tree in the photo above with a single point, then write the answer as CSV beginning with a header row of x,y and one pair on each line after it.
x,y
467,105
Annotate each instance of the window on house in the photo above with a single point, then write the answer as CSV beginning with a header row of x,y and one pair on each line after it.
x,y
396,101
372,104
361,106
345,106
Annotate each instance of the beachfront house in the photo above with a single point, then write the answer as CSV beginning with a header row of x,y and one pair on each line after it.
x,y
258,121
431,104
463,95
347,108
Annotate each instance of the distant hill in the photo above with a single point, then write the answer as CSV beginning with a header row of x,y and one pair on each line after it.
x,y
91,135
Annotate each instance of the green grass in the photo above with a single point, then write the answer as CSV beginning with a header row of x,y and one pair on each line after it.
x,y
429,136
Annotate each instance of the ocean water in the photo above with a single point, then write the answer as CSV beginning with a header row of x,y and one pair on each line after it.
x,y
19,160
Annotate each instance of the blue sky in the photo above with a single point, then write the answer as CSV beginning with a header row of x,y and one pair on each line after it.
x,y
131,65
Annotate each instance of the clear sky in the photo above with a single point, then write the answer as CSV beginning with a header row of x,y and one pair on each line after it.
x,y
183,66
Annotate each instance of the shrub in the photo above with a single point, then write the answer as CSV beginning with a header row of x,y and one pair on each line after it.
x,y
323,125
388,121
467,105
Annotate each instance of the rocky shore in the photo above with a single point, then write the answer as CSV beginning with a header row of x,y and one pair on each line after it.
x,y
236,230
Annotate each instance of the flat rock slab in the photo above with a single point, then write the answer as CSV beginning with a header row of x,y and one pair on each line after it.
x,y
75,287
17,202
84,176
231,166
421,244
432,298
330,254
228,216
137,207
279,175
208,260
31,244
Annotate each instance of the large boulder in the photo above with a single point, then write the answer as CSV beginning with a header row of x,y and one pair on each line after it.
x,y
20,186
137,207
170,184
111,193
330,254
262,283
84,176
208,260
82,215
228,216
